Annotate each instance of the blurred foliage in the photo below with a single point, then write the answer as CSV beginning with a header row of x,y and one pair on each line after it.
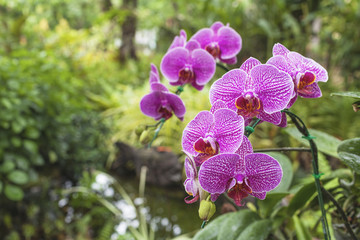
x,y
65,99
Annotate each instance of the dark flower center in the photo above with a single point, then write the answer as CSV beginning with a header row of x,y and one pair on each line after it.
x,y
248,105
305,80
213,49
165,113
186,75
204,146
240,191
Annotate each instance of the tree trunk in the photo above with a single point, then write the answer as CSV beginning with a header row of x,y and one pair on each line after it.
x,y
106,5
127,49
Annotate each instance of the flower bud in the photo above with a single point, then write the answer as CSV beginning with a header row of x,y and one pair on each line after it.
x,y
207,209
139,130
145,137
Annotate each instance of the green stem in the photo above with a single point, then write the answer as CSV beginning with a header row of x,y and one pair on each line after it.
x,y
180,89
203,224
284,149
300,125
342,213
250,129
222,66
161,124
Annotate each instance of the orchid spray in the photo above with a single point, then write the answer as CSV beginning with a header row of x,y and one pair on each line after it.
x,y
219,157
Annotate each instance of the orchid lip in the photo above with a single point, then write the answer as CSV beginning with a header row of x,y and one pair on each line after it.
x,y
207,146
248,105
305,79
213,49
186,75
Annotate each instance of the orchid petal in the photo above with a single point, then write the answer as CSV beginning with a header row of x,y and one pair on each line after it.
x,y
244,149
203,36
228,88
260,195
150,104
307,64
216,26
274,87
158,87
176,105
229,42
196,128
229,61
249,64
179,41
228,130
197,87
282,64
217,105
192,45
279,49
263,172
310,91
203,65
274,118
215,173
173,62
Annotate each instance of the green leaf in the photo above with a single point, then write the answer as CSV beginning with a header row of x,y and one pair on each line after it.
x,y
211,231
13,192
22,163
31,146
302,233
258,230
287,170
32,133
267,205
1,186
7,166
301,197
235,223
325,142
18,177
347,94
37,160
349,153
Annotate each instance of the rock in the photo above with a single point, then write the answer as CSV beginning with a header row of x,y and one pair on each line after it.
x,y
164,167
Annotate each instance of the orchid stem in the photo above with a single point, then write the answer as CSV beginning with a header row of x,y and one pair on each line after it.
x,y
179,90
222,66
250,129
160,125
284,149
341,211
203,224
300,125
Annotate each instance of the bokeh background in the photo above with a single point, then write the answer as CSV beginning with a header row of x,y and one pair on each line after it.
x,y
72,73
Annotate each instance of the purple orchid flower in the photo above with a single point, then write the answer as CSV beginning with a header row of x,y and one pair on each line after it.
x,y
179,41
210,133
160,103
187,63
254,90
305,72
222,42
191,184
240,175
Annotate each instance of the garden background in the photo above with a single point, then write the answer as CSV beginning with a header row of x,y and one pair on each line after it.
x,y
72,74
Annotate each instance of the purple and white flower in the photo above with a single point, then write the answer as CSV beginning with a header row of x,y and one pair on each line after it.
x,y
240,175
160,103
191,184
187,63
222,42
305,72
211,133
254,90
